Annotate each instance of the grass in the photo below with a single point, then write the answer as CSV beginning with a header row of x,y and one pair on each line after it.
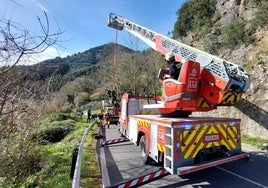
x,y
90,174
255,141
57,160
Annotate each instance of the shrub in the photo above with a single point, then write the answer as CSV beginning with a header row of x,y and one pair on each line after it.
x,y
235,33
256,2
96,96
64,116
211,44
19,164
54,132
194,15
260,18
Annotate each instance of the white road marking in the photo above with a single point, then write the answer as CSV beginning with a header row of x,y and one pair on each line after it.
x,y
241,177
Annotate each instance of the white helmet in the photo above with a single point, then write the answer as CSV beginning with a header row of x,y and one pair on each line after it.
x,y
169,56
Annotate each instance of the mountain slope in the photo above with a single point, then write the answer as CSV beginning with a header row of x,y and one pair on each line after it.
x,y
237,32
63,70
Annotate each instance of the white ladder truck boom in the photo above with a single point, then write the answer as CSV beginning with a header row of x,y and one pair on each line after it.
x,y
205,82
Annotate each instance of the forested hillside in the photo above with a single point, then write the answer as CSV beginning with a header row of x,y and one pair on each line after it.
x,y
41,100
60,71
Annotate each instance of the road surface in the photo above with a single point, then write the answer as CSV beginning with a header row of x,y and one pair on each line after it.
x,y
121,162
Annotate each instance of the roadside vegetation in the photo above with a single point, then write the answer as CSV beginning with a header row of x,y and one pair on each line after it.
x,y
200,18
260,143
40,105
46,160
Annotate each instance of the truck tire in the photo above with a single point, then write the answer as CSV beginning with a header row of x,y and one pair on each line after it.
x,y
144,151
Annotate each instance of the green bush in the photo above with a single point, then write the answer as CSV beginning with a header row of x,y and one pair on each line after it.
x,y
256,2
235,33
64,116
19,164
54,132
194,15
211,44
261,17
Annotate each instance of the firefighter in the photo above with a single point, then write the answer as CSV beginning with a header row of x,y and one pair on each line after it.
x,y
107,119
116,107
88,115
174,66
100,116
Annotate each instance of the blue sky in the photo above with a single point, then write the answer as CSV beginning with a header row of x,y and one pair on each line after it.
x,y
84,22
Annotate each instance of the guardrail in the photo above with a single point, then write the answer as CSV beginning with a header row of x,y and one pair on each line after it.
x,y
77,170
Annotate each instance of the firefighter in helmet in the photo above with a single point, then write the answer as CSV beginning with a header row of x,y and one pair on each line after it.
x,y
174,66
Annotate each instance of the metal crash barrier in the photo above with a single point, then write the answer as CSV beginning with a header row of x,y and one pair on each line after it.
x,y
77,170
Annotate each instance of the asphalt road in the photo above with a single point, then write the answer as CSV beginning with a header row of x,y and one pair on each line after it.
x,y
121,162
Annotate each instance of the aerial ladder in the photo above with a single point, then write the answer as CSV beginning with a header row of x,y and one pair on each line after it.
x,y
205,82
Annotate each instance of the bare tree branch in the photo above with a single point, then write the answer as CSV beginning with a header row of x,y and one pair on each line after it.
x,y
16,43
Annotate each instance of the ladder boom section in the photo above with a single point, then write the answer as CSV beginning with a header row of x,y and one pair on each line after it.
x,y
120,23
233,75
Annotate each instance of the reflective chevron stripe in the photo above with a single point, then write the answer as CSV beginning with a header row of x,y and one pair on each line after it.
x,y
206,136
108,142
203,103
148,112
143,123
141,180
231,98
161,148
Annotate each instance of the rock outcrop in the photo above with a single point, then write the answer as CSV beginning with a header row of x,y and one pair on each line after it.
x,y
253,108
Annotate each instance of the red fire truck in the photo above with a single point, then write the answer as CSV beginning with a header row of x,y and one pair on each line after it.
x,y
163,126
181,144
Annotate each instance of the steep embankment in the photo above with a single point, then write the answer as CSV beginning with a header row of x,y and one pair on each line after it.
x,y
253,56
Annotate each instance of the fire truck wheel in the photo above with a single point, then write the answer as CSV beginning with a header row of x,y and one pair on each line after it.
x,y
144,151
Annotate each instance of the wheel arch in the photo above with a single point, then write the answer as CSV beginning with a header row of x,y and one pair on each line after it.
x,y
140,134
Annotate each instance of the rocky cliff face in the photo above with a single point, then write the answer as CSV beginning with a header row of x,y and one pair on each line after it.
x,y
253,108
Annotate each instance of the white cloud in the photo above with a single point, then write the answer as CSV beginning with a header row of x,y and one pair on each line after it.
x,y
49,53
41,6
